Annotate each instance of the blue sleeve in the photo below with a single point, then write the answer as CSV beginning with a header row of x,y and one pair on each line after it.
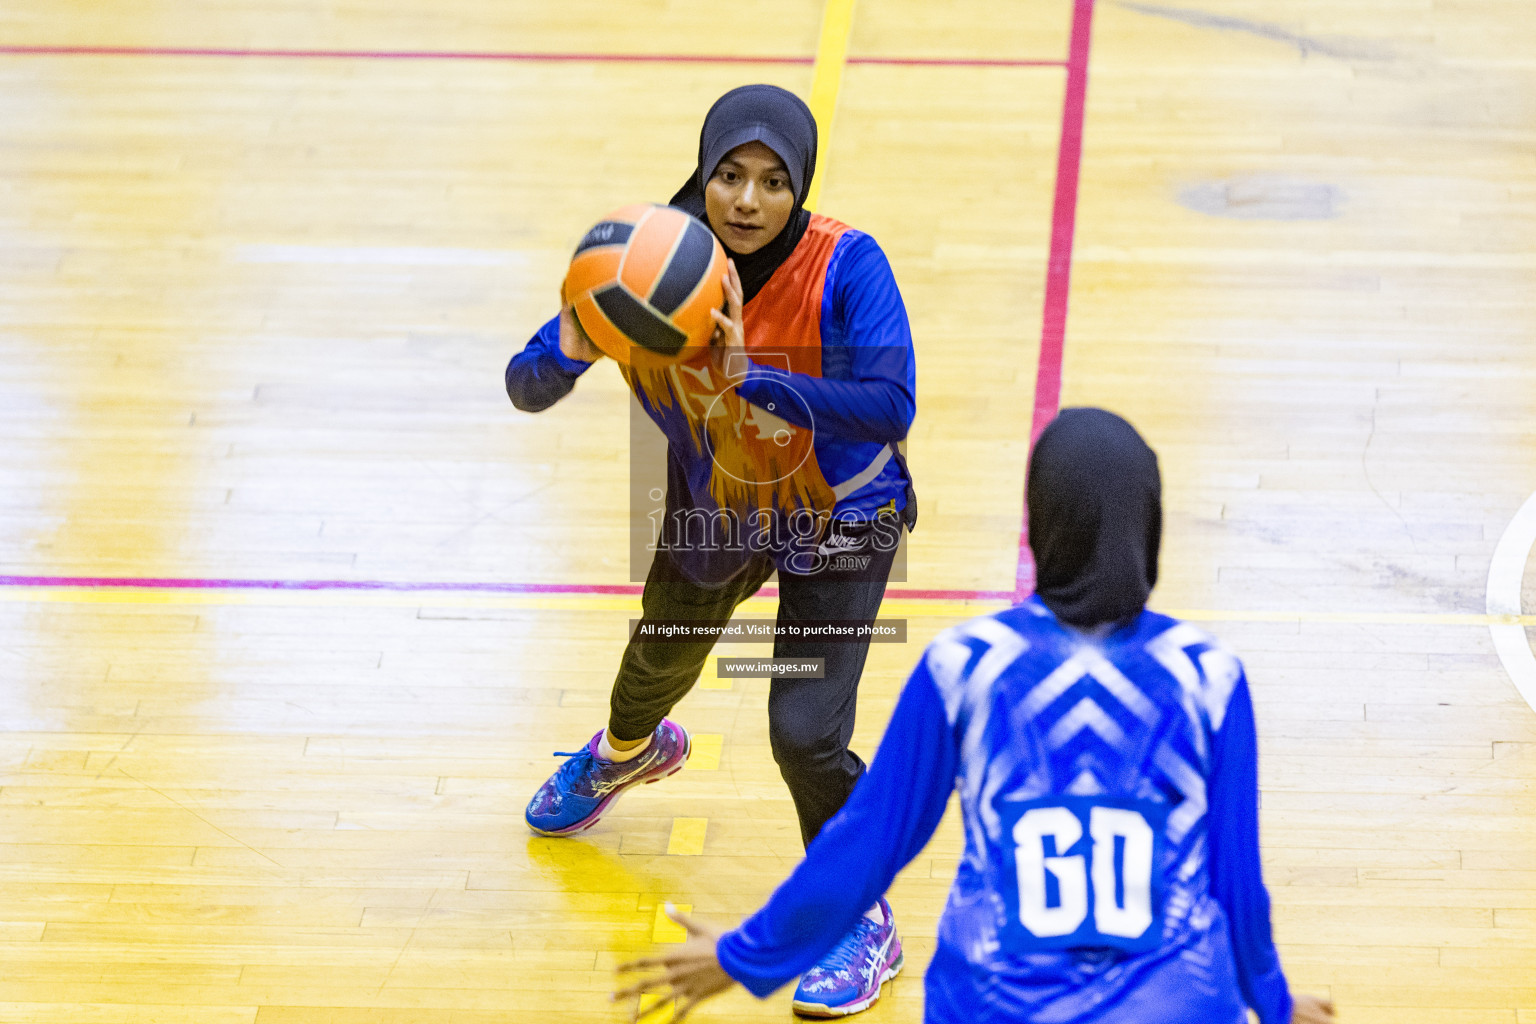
x,y
861,310
540,375
1237,876
886,822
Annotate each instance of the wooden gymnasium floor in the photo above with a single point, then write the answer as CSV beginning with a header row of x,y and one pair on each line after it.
x,y
263,262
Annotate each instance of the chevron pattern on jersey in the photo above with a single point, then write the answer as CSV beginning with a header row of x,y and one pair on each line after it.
x,y
1042,711
1129,719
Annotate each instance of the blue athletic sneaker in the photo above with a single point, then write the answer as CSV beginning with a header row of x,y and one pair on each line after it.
x,y
848,979
581,790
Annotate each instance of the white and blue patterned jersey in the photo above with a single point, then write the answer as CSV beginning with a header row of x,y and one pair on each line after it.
x,y
1109,789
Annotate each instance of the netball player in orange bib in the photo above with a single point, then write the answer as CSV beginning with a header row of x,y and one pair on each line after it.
x,y
782,438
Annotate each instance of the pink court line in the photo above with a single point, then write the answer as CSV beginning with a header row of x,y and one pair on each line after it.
x,y
407,586
1052,335
1058,272
510,56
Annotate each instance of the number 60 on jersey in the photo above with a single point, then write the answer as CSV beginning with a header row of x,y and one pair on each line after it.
x,y
1088,872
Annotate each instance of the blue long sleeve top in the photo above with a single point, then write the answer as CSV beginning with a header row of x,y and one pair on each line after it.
x,y
867,390
863,400
1144,736
540,375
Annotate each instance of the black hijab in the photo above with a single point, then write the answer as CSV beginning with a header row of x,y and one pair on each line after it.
x,y
1095,517
779,120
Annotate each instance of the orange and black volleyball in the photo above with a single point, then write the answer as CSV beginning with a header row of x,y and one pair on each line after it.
x,y
642,282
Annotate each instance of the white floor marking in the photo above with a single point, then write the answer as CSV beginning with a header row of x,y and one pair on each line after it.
x,y
1505,577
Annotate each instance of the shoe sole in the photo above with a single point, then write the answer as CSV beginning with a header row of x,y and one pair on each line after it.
x,y
612,798
821,1010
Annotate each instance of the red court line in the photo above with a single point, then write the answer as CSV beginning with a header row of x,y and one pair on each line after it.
x,y
1058,272
506,56
1052,336
958,62
411,587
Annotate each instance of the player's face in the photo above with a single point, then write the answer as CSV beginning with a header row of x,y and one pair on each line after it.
x,y
749,198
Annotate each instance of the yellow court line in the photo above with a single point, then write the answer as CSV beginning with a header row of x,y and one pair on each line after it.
x,y
827,82
892,607
687,838
1354,618
664,929
711,679
705,756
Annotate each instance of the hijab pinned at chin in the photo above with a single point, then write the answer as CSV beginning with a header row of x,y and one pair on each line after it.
x,y
1095,518
779,120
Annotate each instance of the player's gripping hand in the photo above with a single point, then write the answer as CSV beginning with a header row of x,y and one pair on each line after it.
x,y
574,343
1307,1009
730,333
690,973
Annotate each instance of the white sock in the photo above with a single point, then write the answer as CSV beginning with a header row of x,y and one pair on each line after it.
x,y
607,753
875,914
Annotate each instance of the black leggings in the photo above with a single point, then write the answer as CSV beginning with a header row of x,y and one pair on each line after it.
x,y
810,721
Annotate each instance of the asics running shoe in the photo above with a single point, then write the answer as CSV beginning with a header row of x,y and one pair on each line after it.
x,y
848,979
585,786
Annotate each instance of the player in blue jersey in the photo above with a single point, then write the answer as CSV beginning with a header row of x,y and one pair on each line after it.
x,y
820,365
1106,764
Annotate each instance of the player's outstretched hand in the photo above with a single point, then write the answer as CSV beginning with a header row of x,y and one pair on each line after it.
x,y
574,343
690,973
1311,1010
